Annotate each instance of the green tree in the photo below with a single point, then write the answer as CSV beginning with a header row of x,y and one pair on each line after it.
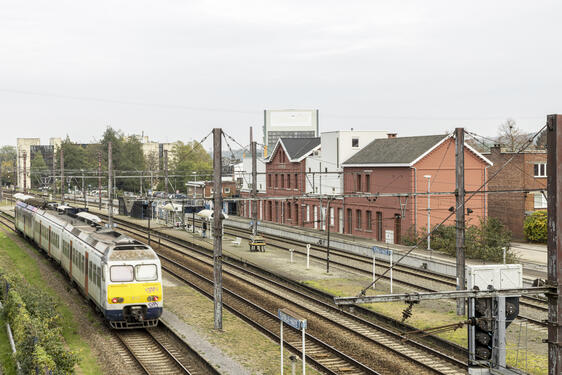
x,y
39,170
190,157
8,157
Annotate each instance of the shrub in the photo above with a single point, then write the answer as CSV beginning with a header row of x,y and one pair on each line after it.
x,y
535,227
483,241
36,328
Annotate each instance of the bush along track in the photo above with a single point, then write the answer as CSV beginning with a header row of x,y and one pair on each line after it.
x,y
36,326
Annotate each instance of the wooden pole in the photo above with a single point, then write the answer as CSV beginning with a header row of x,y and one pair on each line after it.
x,y
166,171
99,180
254,202
109,183
460,222
62,175
554,252
217,223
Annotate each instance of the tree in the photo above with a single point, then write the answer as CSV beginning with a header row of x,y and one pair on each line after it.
x,y
540,141
39,171
188,158
8,156
511,136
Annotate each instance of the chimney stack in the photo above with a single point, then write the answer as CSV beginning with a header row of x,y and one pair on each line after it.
x,y
391,135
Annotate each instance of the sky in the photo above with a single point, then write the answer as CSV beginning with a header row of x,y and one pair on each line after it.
x,y
176,69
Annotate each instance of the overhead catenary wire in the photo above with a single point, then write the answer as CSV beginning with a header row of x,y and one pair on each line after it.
x,y
461,206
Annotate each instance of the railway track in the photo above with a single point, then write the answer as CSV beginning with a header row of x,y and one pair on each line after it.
x,y
154,351
273,294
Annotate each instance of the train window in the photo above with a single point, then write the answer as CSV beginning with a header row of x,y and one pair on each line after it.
x,y
146,272
121,273
98,273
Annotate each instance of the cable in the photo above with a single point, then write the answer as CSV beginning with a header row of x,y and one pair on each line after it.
x,y
461,206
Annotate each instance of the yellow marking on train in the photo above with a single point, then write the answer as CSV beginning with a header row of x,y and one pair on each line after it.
x,y
134,292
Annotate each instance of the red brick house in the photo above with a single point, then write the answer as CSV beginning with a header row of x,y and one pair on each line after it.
x,y
392,165
405,165
527,170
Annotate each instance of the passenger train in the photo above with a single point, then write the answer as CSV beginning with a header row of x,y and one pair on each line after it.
x,y
119,274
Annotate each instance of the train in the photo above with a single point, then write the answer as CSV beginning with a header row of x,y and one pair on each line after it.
x,y
119,274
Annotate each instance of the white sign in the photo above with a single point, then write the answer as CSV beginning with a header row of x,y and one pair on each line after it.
x,y
389,236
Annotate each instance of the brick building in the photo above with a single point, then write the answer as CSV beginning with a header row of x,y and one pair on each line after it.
x,y
527,170
385,165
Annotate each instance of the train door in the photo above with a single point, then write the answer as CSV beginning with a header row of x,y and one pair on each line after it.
x,y
86,273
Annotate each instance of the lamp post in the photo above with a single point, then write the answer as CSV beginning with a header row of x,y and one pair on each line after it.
x,y
428,213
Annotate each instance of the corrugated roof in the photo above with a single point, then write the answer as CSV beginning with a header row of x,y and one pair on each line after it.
x,y
402,150
298,147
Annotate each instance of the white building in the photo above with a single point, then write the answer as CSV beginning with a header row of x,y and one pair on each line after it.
x,y
324,166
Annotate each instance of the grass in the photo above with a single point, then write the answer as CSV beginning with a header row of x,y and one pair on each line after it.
x,y
12,257
429,314
238,340
7,363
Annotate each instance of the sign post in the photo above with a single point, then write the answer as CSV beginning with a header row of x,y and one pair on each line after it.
x,y
381,251
297,322
307,256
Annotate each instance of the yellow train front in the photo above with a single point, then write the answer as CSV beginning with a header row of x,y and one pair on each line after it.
x,y
134,288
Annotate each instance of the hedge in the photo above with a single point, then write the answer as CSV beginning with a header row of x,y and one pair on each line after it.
x,y
483,241
36,328
535,227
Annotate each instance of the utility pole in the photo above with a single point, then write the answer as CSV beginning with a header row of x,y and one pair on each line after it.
x,y
141,184
109,183
99,180
166,171
61,176
329,218
459,163
25,172
554,252
254,203
83,189
217,222
53,174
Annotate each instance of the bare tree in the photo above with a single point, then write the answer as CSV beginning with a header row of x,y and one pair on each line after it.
x,y
511,136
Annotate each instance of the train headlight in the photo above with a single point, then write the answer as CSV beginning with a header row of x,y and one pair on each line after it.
x,y
117,300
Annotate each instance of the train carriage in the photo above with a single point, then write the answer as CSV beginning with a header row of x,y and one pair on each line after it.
x,y
119,274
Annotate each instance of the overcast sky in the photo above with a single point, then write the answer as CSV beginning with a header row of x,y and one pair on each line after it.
x,y
176,69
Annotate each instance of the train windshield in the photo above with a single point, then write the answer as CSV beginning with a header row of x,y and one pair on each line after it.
x,y
146,272
121,273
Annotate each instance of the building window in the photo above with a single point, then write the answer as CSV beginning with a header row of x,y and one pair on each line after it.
x,y
540,201
296,181
276,181
288,210
540,169
282,181
308,213
349,220
288,181
358,219
358,183
354,142
368,183
332,219
369,222
269,181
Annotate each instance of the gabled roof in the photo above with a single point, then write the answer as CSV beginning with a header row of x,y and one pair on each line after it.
x,y
296,148
400,152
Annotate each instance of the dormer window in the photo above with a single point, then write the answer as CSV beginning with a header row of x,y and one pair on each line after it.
x,y
354,142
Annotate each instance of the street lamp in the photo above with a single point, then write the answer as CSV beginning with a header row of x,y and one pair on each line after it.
x,y
428,176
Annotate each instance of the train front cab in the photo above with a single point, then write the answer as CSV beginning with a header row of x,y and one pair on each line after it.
x,y
134,294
